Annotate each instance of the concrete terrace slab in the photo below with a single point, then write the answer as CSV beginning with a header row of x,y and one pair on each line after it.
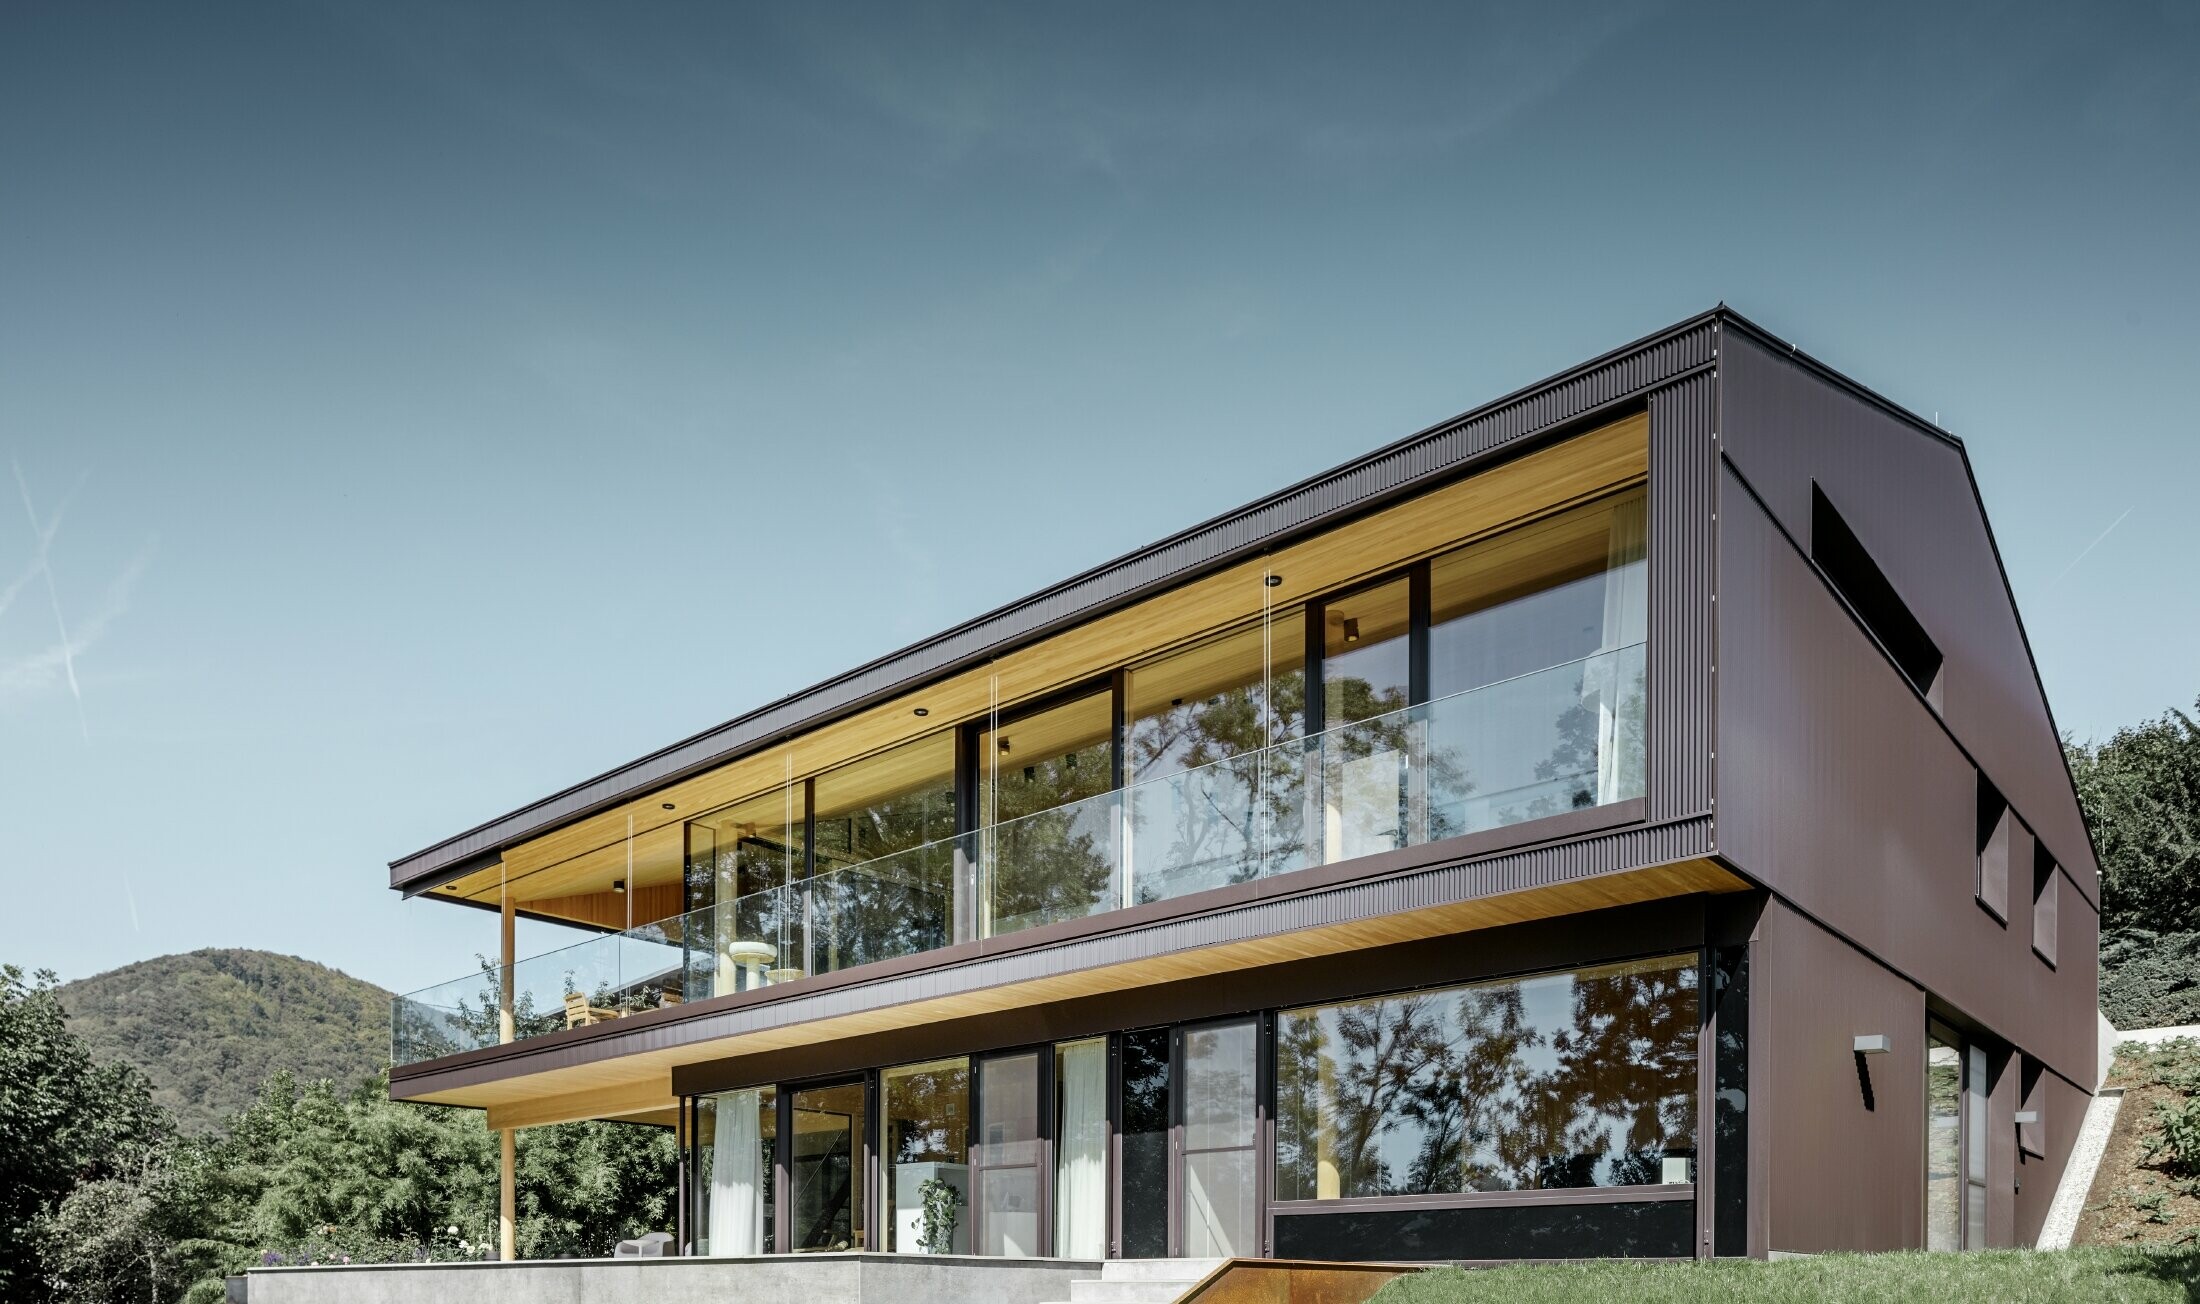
x,y
812,1279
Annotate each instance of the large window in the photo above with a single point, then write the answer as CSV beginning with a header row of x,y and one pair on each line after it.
x,y
1577,1079
884,884
1214,799
1221,1134
736,1133
1005,1159
739,860
1081,1149
924,1122
1535,659
1050,848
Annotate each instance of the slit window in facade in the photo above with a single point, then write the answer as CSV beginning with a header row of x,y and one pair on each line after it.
x,y
1579,1079
2046,902
1998,841
1842,556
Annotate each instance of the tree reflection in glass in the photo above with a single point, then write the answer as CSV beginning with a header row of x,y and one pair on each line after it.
x,y
1561,1080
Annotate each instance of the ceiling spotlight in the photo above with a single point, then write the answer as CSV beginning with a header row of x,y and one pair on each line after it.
x,y
1351,629
1275,581
1004,747
922,711
668,805
618,885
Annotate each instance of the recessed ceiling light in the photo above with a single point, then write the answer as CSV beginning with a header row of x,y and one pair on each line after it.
x,y
1275,581
668,805
922,711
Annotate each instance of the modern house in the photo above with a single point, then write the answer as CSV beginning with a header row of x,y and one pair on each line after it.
x,y
1622,820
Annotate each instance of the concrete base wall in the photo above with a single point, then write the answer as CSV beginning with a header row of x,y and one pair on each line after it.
x,y
812,1279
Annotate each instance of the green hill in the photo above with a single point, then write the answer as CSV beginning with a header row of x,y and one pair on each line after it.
x,y
210,1026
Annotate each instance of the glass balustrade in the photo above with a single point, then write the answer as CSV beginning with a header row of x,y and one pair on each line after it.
x,y
1562,738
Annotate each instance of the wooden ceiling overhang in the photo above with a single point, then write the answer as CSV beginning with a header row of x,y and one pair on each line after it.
x,y
625,1068
568,873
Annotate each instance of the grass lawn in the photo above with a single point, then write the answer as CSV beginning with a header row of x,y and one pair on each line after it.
x,y
2171,1276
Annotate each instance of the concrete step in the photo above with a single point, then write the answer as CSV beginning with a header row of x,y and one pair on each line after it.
x,y
1157,1269
1146,1290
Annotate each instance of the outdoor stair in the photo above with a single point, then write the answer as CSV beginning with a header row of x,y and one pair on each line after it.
x,y
1140,1281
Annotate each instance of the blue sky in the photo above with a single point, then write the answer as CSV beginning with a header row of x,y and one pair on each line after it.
x,y
413,409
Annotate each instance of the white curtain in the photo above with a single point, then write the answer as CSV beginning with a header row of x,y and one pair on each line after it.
x,y
1081,1186
736,1175
1626,624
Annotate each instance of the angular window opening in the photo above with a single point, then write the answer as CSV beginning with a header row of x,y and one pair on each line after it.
x,y
2046,903
1838,552
2032,1136
1997,838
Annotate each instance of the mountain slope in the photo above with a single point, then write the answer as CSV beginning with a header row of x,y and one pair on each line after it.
x,y
210,1026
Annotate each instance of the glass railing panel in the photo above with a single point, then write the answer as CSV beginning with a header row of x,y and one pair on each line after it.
x,y
1054,865
884,909
748,942
1559,739
1230,821
460,1015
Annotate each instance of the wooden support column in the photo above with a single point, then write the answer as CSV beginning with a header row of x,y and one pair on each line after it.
x,y
508,1138
506,1030
507,1196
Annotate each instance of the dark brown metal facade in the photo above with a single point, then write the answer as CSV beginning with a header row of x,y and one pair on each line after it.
x,y
1782,740
1909,495
1683,524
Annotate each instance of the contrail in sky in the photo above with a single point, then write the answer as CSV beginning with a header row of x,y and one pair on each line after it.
x,y
44,562
2091,546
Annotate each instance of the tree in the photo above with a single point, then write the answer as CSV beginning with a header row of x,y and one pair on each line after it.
x,y
65,1122
2140,791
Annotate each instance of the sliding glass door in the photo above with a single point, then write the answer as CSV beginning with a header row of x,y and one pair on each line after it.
x,y
1005,1160
1218,1167
826,1166
736,1135
1956,1085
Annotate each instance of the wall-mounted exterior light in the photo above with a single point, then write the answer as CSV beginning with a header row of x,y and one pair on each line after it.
x,y
2027,1117
1877,1043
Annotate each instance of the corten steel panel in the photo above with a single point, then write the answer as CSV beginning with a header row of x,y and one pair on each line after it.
x,y
1845,1132
1841,792
1909,496
1489,433
2062,1109
1684,479
1622,933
